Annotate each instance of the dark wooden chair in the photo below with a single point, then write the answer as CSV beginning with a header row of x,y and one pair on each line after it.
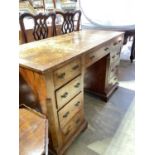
x,y
40,26
130,33
69,21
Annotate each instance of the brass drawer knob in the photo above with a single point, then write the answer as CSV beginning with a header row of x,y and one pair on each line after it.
x,y
92,57
118,53
64,95
75,67
77,85
61,75
77,104
106,49
66,114
112,70
115,44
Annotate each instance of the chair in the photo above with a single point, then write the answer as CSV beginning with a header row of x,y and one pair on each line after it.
x,y
130,33
33,132
39,24
69,21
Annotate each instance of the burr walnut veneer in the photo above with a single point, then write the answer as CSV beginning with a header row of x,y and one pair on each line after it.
x,y
59,68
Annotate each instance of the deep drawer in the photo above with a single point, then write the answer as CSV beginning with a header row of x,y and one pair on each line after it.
x,y
67,113
66,93
72,126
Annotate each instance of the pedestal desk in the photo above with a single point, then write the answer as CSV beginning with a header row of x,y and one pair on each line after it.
x,y
59,69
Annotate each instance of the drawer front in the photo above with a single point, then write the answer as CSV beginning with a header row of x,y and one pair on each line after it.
x,y
72,126
114,57
115,49
113,81
67,113
116,44
64,94
114,71
67,72
94,56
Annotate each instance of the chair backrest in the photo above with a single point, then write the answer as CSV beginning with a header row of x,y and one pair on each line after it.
x,y
70,21
39,24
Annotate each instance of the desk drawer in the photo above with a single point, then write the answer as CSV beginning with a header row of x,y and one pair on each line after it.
x,y
66,113
67,72
113,81
92,57
72,126
114,71
114,57
66,93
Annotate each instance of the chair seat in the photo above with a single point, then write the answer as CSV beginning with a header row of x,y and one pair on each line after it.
x,y
33,131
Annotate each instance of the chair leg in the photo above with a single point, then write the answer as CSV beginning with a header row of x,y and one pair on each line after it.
x,y
132,56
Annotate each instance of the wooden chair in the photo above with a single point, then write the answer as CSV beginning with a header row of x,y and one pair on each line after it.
x,y
69,21
130,33
39,24
33,132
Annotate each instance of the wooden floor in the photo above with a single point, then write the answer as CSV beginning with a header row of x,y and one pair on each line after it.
x,y
111,125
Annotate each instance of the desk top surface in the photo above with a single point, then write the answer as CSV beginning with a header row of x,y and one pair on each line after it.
x,y
47,53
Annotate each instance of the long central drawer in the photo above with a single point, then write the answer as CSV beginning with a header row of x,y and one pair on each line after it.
x,y
66,93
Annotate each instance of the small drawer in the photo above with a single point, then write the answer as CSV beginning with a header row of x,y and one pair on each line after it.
x,y
97,54
72,126
66,93
67,72
114,71
117,43
66,113
113,81
114,57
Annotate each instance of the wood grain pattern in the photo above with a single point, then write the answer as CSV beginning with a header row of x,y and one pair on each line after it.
x,y
67,72
48,53
66,93
33,134
43,62
37,83
70,110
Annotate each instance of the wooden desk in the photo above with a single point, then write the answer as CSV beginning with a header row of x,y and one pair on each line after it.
x,y
58,69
